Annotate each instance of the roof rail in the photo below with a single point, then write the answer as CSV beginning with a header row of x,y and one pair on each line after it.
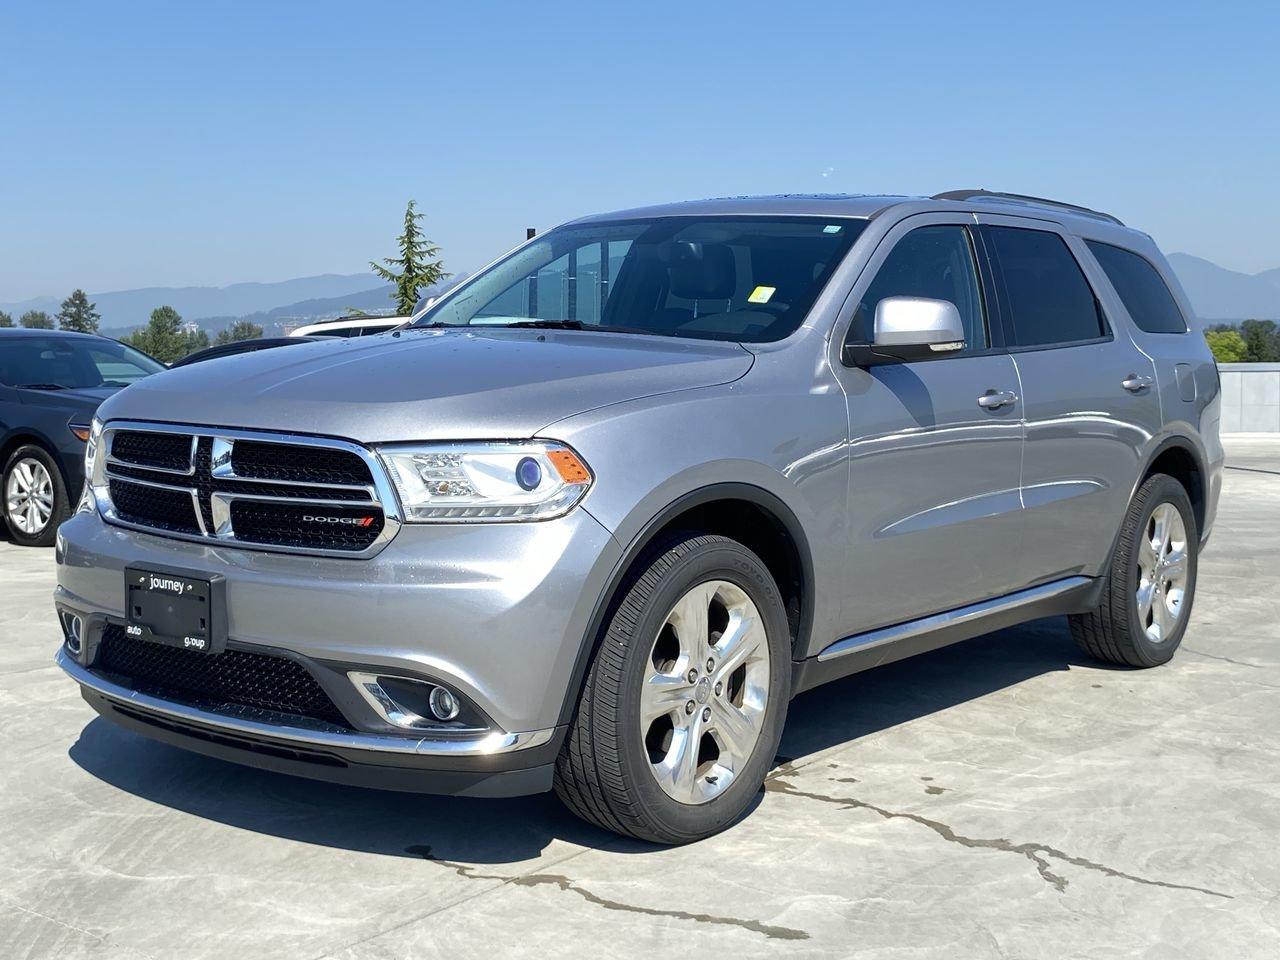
x,y
1023,198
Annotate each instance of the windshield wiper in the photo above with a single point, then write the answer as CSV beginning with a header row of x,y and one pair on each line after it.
x,y
43,386
546,324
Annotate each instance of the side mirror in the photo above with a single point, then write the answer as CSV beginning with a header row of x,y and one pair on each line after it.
x,y
910,328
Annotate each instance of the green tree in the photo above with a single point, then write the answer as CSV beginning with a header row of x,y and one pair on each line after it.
x,y
195,340
1262,339
164,337
240,330
1227,346
6,319
36,320
78,314
418,265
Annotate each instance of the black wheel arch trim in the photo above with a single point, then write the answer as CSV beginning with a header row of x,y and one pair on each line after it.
x,y
1187,445
751,493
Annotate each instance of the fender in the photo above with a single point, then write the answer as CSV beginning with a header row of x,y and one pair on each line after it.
x,y
1190,445
640,542
1181,442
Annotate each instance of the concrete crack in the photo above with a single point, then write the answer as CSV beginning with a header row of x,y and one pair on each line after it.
x,y
1038,853
569,886
1210,656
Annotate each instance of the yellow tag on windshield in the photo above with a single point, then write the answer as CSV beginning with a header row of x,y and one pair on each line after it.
x,y
762,294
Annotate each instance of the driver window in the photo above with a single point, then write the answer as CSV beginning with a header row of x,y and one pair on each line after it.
x,y
935,262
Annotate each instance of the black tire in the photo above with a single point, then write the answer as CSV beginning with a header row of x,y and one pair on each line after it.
x,y
1113,632
61,502
603,773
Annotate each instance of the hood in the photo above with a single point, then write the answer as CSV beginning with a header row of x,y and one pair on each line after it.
x,y
428,384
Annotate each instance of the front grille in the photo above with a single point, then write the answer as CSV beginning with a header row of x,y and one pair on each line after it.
x,y
296,494
234,682
165,451
329,527
159,507
278,461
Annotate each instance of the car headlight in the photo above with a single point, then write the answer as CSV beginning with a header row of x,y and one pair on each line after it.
x,y
450,482
87,501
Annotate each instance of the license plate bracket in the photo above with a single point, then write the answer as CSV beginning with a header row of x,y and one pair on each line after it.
x,y
177,608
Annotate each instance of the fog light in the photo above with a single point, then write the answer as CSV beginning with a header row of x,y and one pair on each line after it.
x,y
444,705
416,704
73,631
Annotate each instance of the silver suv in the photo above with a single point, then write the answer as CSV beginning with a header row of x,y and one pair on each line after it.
x,y
595,517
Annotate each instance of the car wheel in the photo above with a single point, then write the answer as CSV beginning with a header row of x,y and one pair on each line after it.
x,y
1146,600
683,706
35,498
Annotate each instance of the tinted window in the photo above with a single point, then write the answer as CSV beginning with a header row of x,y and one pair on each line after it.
x,y
1142,290
749,279
1048,297
71,362
934,262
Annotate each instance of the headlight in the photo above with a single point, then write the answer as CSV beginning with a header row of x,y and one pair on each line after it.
x,y
443,482
87,501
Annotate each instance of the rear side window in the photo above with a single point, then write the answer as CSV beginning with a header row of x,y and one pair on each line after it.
x,y
1046,293
1142,290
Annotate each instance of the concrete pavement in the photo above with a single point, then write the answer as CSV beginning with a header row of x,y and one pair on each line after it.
x,y
1005,797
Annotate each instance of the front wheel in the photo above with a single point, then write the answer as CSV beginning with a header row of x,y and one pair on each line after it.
x,y
35,498
684,703
1146,600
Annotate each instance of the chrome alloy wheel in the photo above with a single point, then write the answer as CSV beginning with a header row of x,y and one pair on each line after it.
x,y
706,686
29,496
1162,572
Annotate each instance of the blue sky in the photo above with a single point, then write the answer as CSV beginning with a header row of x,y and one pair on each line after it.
x,y
174,143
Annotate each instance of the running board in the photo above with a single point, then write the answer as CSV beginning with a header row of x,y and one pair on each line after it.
x,y
887,644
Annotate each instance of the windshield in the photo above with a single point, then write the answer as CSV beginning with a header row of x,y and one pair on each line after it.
x,y
749,279
53,363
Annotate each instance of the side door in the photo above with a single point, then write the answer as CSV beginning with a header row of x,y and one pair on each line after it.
x,y
934,510
1090,398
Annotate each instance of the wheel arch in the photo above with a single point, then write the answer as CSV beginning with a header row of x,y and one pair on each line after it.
x,y
24,436
1179,457
729,509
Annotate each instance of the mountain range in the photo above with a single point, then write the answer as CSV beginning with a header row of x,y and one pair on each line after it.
x,y
1217,294
124,309
1220,294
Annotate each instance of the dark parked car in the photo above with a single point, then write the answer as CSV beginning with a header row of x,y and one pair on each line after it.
x,y
51,382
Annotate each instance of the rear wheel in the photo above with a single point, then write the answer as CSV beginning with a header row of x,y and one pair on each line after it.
x,y
1150,586
35,498
684,704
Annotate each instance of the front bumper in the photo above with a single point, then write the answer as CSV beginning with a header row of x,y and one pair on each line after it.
x,y
498,765
496,612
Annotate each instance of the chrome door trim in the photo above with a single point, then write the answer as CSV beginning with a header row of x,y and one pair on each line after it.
x,y
951,618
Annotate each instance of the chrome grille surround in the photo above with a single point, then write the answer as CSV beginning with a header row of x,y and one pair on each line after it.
x,y
378,495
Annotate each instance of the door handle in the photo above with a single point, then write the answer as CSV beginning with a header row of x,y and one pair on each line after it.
x,y
995,399
1135,383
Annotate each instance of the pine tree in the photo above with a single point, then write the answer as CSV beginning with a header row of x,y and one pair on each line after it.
x,y
1262,337
36,320
6,319
418,265
78,314
240,330
164,338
